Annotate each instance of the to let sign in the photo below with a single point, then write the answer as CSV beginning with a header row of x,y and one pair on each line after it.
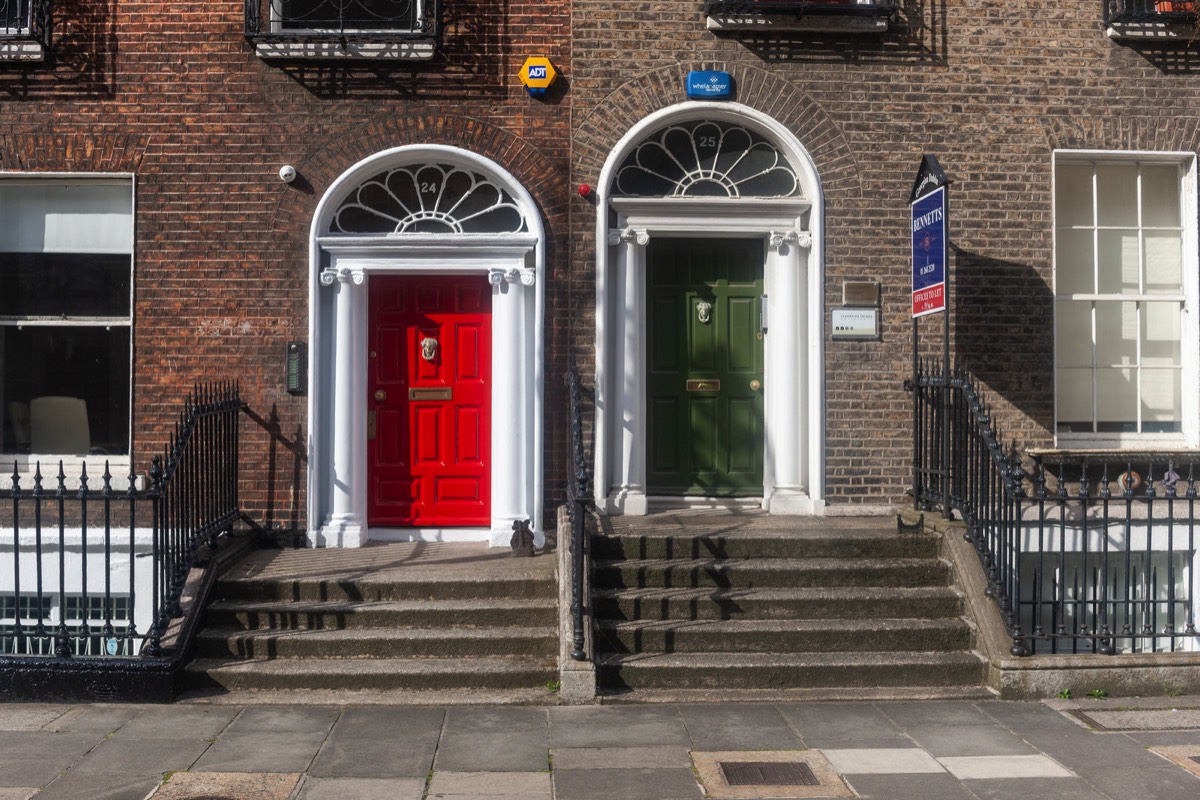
x,y
929,253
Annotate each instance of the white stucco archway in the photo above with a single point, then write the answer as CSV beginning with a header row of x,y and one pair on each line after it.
x,y
791,226
341,266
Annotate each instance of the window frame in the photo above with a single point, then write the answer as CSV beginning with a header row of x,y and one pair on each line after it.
x,y
276,24
1189,333
119,465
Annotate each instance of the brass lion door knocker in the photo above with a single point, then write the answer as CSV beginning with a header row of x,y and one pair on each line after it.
x,y
704,312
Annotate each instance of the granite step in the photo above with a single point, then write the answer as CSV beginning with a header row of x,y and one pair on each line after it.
x,y
379,643
769,572
278,615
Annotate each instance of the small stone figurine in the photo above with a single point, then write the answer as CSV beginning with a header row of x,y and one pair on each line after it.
x,y
522,538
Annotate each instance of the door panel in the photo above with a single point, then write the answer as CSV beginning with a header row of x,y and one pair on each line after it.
x,y
704,367
429,463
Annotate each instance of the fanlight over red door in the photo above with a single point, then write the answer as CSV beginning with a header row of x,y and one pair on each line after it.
x,y
429,392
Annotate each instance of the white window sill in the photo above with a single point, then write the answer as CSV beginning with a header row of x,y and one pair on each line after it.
x,y
21,50
772,23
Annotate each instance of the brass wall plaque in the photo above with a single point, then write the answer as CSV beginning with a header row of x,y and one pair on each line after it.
x,y
860,293
708,385
443,393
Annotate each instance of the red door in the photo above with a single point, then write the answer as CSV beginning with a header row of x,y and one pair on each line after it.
x,y
429,401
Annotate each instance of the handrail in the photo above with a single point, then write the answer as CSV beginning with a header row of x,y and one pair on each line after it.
x,y
578,504
191,502
1083,552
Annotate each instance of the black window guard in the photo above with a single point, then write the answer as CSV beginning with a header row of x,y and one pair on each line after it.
x,y
373,20
1151,11
27,20
868,8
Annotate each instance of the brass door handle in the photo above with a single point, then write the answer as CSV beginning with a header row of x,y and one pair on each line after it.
x,y
755,385
380,395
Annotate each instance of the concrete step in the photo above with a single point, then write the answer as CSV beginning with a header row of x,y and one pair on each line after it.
x,y
764,572
281,615
375,643
848,543
775,671
376,674
783,636
777,603
414,585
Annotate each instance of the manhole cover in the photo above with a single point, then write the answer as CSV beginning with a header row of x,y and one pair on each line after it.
x,y
767,773
1195,758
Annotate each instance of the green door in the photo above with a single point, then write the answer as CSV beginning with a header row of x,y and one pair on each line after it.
x,y
705,367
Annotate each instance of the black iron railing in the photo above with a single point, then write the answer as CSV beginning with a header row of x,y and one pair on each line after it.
x,y
875,8
578,504
98,563
1145,11
1084,552
376,19
25,19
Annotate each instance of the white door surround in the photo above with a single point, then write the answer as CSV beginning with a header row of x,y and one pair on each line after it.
x,y
793,385
340,269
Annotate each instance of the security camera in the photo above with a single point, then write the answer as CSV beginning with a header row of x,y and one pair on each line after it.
x,y
287,173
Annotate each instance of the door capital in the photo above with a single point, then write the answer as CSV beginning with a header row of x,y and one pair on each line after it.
x,y
802,239
639,235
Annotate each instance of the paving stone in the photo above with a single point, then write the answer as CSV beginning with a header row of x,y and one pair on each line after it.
x,y
1027,716
262,752
984,767
277,719
913,786
29,716
1038,789
45,744
498,739
1078,750
93,719
29,770
933,713
597,726
492,785
729,726
838,721
626,784
896,761
17,794
382,742
1158,719
630,757
141,756
1163,738
239,785
1167,782
969,740
362,789
178,722
92,786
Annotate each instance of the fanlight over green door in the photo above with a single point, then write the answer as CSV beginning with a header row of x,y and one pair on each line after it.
x,y
705,367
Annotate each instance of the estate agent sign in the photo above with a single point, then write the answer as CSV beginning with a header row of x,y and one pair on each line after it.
x,y
929,253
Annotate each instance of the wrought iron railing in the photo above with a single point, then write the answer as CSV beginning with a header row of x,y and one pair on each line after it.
x,y
578,505
25,19
1145,11
1084,552
799,7
374,19
97,568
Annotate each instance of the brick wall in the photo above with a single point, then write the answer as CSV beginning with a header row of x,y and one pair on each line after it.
x,y
173,93
992,88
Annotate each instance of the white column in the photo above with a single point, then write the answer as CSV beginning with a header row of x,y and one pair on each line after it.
x,y
629,434
787,415
510,468
346,525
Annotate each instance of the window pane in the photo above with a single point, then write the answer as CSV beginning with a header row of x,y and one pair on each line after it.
x,y
1161,334
1116,194
58,285
1164,262
1074,262
1160,196
1116,333
1116,400
1074,388
89,363
1162,401
1073,333
1119,271
397,15
1073,194
48,217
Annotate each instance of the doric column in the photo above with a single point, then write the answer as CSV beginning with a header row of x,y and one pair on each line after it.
x,y
785,369
511,407
346,525
629,436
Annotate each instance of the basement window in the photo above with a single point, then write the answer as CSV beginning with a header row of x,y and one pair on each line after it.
x,y
772,16
354,29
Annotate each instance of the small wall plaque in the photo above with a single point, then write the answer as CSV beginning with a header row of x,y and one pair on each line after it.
x,y
855,324
860,293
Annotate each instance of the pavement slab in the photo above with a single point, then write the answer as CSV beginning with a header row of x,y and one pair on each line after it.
x,y
596,726
262,752
492,785
913,786
631,757
838,721
362,789
178,722
1038,789
968,740
239,785
29,717
275,719
626,784
99,787
141,757
14,793
730,726
983,767
381,742
897,761
1166,782
494,740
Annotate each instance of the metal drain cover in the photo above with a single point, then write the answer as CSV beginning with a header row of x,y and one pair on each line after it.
x,y
768,773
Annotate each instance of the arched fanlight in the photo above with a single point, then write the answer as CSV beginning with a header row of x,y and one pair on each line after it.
x,y
428,198
706,159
